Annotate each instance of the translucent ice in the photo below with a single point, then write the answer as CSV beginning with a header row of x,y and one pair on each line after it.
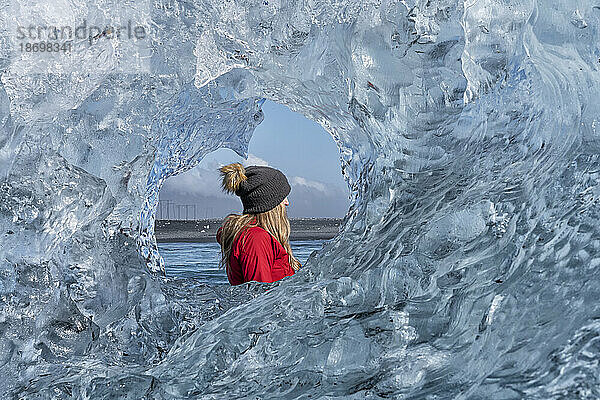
x,y
467,265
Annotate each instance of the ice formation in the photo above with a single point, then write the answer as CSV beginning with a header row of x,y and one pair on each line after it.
x,y
468,134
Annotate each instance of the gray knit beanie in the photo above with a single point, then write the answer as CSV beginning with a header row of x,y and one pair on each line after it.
x,y
260,188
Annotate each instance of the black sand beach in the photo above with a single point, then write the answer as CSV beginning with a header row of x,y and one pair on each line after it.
x,y
204,231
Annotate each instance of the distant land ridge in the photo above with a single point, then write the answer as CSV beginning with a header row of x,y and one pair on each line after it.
x,y
204,230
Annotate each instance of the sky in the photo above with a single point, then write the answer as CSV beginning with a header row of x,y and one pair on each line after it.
x,y
285,140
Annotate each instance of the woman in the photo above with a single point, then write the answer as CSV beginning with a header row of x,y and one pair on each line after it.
x,y
255,245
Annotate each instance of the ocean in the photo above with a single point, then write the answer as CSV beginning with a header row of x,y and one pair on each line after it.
x,y
200,261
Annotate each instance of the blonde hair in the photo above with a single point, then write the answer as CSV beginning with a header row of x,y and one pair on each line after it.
x,y
274,221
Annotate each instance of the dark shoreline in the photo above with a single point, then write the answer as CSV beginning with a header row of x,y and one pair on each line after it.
x,y
205,230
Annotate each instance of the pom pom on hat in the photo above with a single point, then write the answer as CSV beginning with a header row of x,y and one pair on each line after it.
x,y
233,176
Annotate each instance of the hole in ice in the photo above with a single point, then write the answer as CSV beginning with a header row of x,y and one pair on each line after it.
x,y
192,205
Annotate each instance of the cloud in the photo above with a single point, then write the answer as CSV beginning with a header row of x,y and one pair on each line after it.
x,y
311,198
199,181
201,186
203,180
297,181
254,160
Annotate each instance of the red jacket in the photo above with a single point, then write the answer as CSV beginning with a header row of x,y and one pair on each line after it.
x,y
257,256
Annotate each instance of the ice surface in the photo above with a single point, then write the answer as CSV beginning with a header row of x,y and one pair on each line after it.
x,y
467,265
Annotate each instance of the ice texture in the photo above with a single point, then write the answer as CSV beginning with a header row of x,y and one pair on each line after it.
x,y
466,267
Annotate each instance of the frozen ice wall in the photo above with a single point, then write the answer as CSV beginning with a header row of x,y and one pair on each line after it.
x,y
466,267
